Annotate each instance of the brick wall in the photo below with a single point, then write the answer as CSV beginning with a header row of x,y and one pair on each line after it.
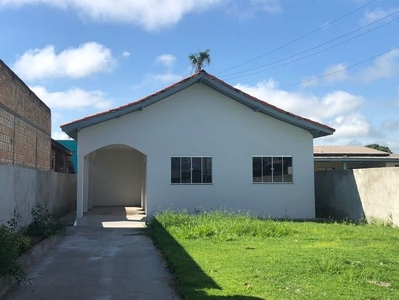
x,y
25,124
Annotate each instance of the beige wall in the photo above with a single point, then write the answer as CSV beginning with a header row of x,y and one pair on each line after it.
x,y
358,193
22,188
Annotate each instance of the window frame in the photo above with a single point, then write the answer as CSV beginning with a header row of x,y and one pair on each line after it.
x,y
191,169
272,159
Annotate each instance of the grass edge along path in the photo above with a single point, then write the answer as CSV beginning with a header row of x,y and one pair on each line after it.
x,y
222,255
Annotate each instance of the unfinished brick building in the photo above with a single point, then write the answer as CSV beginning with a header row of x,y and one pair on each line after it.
x,y
25,124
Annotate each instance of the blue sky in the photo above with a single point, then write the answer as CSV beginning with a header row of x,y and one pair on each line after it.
x,y
336,62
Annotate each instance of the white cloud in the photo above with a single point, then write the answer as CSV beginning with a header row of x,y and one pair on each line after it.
x,y
152,15
338,102
126,54
355,128
332,104
385,66
79,62
332,74
271,6
57,135
393,145
166,78
352,129
351,126
149,14
74,98
335,73
158,79
390,125
338,109
167,60
374,15
248,9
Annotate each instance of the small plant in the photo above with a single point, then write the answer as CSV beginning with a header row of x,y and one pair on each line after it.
x,y
12,245
13,223
13,242
378,222
44,224
15,229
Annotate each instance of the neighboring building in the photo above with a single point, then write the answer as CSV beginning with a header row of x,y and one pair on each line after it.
x,y
72,146
26,152
351,157
25,124
199,143
61,158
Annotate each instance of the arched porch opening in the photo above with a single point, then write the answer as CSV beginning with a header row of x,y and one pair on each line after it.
x,y
115,175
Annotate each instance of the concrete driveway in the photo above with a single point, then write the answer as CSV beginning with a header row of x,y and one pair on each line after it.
x,y
93,262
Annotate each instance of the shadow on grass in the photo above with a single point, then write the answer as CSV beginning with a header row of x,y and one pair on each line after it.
x,y
190,278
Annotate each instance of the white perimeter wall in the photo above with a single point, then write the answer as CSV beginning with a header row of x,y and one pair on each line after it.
x,y
360,193
200,121
22,188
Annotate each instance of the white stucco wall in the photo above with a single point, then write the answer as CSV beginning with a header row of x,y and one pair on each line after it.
x,y
199,121
115,176
360,193
22,188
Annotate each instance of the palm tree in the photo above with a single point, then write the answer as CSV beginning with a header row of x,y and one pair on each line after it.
x,y
199,59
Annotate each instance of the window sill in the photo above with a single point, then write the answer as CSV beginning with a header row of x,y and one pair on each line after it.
x,y
272,183
191,184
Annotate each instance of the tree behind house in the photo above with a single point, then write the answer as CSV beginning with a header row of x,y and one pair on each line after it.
x,y
379,147
198,60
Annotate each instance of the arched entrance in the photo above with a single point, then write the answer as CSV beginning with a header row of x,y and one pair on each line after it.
x,y
115,176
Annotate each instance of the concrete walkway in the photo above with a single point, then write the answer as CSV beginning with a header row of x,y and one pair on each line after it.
x,y
93,262
114,217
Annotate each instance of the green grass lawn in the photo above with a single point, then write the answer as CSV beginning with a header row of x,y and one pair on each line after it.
x,y
216,255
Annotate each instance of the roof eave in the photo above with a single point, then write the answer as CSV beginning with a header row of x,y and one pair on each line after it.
x,y
56,145
355,159
314,129
73,128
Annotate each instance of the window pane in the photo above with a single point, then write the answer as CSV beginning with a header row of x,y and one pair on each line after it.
x,y
287,169
267,169
277,169
256,169
196,170
186,170
207,169
175,167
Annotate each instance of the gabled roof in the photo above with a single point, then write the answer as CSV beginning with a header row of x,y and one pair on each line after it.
x,y
59,148
316,129
351,154
55,145
347,151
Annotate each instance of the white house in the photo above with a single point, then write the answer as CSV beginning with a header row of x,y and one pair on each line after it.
x,y
199,143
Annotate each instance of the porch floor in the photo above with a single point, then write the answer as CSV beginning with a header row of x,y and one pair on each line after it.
x,y
113,217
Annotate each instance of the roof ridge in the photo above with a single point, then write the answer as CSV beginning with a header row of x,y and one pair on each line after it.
x,y
220,86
